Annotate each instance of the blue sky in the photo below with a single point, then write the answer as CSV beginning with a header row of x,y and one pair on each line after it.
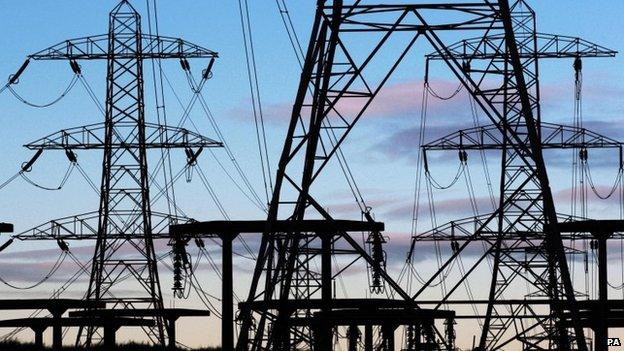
x,y
382,150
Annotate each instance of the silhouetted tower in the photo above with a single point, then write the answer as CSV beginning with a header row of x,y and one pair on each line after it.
x,y
520,250
333,73
124,192
124,269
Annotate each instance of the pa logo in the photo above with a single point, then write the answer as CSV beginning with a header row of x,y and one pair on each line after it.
x,y
614,342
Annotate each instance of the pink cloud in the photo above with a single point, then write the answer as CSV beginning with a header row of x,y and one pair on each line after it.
x,y
396,100
404,99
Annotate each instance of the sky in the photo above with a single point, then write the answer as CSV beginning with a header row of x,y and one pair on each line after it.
x,y
382,150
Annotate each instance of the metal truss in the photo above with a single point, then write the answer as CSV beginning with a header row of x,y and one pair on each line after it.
x,y
97,48
334,74
546,46
554,136
85,227
126,226
92,137
519,228
462,230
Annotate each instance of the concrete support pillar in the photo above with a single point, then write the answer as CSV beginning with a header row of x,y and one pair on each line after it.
x,y
388,336
57,330
601,330
354,337
38,336
227,289
171,333
110,332
325,335
368,338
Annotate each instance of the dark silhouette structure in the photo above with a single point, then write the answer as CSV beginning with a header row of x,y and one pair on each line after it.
x,y
499,70
517,234
599,314
125,227
170,315
291,305
57,308
293,302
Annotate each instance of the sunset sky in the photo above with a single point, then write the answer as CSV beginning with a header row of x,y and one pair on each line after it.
x,y
382,150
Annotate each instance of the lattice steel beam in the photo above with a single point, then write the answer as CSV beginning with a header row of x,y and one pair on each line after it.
x,y
92,137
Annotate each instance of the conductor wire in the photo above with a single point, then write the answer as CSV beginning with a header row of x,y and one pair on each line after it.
x,y
72,83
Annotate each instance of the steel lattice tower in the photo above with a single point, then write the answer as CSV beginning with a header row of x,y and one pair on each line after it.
x,y
503,86
124,269
520,247
124,193
526,213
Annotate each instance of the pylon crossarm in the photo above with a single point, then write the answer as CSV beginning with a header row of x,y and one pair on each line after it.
x,y
554,136
92,137
464,229
548,46
84,227
96,48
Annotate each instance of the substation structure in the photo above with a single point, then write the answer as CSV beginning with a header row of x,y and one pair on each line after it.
x,y
293,303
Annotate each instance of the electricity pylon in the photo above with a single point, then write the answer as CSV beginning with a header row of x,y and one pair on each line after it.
x,y
516,237
124,267
336,71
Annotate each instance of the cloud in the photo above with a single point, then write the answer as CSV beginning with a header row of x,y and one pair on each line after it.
x,y
395,101
600,161
601,99
455,207
23,274
404,143
346,206
404,99
607,207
